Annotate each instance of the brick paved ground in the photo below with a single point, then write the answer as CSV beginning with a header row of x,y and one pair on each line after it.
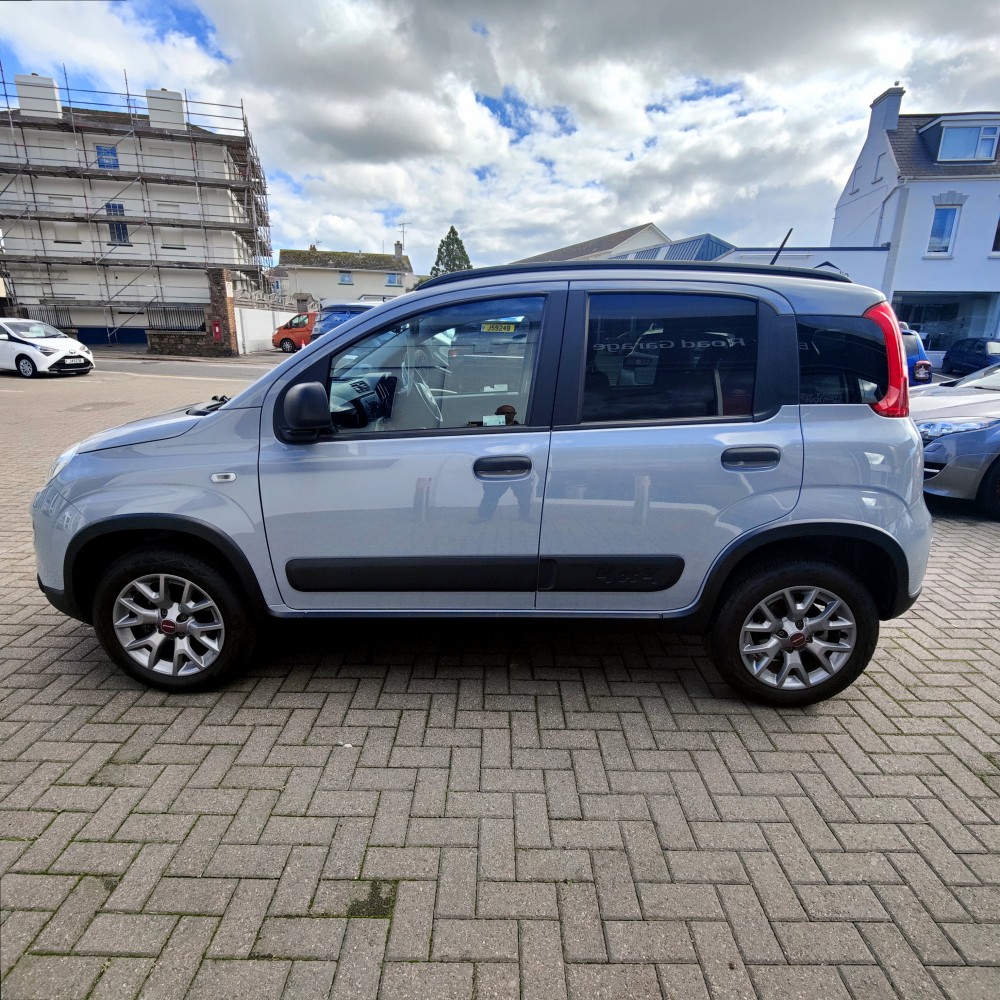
x,y
493,810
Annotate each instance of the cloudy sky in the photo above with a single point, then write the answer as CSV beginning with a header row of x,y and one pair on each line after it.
x,y
532,124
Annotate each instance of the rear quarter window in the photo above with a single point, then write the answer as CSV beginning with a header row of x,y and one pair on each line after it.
x,y
842,359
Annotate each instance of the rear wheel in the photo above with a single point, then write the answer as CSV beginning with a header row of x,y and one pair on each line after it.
x,y
794,634
172,620
26,368
988,497
288,346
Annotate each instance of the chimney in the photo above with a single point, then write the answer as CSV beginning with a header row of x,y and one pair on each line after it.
x,y
166,109
399,250
312,247
885,110
38,96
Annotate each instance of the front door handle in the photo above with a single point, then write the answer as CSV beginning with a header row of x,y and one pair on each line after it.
x,y
739,459
502,467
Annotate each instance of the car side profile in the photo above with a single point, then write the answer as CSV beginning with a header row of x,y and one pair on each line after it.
x,y
971,354
30,348
294,334
721,448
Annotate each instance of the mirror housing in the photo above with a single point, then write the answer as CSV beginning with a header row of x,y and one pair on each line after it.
x,y
306,411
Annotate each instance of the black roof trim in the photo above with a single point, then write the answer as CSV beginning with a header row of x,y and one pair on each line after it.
x,y
555,267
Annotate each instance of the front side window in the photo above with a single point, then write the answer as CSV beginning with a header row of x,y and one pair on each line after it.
x,y
107,157
975,142
468,365
942,230
668,356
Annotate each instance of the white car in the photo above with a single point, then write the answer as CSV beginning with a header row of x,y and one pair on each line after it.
x,y
30,347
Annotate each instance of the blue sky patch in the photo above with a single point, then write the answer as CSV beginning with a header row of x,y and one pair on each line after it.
x,y
293,184
703,87
563,119
510,110
657,109
479,27
484,172
182,17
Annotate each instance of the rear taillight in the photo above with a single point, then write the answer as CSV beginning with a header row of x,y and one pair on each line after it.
x,y
896,401
922,371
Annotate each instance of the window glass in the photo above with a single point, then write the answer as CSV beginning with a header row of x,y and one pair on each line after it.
x,y
665,356
107,157
466,365
968,143
842,359
942,230
996,239
346,278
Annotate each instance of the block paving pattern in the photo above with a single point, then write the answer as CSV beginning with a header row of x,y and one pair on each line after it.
x,y
494,809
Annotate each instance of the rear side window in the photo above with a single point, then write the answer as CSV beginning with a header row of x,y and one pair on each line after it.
x,y
669,356
842,359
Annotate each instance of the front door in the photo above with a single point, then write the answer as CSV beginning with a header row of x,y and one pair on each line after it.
x,y
426,495
668,443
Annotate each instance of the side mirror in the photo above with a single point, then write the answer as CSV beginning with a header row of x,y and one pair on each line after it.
x,y
307,412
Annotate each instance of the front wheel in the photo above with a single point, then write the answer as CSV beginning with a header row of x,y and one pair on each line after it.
x,y
287,346
989,492
794,634
26,368
172,620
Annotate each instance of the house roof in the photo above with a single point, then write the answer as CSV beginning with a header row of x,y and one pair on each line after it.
x,y
703,247
589,247
915,157
344,260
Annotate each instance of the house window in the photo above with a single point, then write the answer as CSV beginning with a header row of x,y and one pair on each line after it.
x,y
854,180
107,157
976,142
394,279
996,239
346,278
942,230
117,231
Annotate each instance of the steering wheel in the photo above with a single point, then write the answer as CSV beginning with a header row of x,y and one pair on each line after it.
x,y
418,386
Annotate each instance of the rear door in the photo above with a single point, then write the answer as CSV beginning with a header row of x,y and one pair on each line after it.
x,y
674,433
427,497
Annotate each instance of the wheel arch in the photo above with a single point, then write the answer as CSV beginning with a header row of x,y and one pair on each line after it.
x,y
874,557
99,545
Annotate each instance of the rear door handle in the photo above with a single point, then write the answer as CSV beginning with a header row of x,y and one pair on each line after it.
x,y
502,466
750,458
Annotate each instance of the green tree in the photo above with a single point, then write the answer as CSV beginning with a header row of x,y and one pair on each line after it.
x,y
451,255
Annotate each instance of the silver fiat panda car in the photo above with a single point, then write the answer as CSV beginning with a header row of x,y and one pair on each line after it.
x,y
725,448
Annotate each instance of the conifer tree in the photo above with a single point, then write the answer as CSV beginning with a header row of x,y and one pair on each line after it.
x,y
451,255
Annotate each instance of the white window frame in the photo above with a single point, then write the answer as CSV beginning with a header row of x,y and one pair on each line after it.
x,y
878,168
985,132
346,278
395,280
855,178
948,250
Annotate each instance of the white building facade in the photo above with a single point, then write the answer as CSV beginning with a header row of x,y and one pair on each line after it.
x,y
114,207
926,188
303,276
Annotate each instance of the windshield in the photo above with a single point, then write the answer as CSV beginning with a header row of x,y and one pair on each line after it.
x,y
988,378
31,330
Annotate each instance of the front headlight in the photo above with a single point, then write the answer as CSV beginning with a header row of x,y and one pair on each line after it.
x,y
931,430
61,462
45,350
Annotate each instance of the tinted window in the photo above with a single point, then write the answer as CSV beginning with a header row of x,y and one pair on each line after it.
x,y
466,365
669,356
842,359
911,345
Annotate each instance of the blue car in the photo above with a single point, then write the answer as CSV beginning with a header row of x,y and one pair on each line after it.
x,y
917,362
970,355
331,316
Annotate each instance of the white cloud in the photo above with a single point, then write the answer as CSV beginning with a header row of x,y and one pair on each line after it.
x,y
365,111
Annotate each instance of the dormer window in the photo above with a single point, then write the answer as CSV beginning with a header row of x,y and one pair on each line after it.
x,y
968,142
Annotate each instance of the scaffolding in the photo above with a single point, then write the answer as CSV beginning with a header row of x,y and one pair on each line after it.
x,y
159,186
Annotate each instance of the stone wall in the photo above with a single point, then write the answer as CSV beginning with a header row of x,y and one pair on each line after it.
x,y
198,343
189,343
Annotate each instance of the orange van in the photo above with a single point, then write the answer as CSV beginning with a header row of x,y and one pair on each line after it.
x,y
295,333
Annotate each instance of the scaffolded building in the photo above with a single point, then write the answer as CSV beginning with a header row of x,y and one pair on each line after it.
x,y
115,205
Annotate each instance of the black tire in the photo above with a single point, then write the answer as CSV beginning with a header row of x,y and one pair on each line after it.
x,y
227,625
287,346
26,368
988,497
812,678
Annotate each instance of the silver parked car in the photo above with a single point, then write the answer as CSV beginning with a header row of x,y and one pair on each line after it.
x,y
724,448
959,422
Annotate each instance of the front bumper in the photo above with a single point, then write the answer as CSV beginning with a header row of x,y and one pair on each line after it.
x,y
954,465
70,365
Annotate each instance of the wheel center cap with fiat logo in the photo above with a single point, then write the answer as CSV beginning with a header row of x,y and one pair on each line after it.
x,y
797,641
167,627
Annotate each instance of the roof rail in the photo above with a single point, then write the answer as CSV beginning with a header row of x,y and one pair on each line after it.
x,y
634,265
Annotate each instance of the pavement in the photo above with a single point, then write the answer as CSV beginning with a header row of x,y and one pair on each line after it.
x,y
442,810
